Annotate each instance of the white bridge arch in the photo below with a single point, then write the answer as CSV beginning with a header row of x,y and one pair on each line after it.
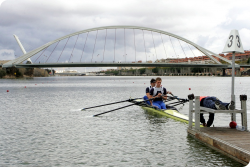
x,y
28,55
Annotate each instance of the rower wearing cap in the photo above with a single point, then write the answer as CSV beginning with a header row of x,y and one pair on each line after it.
x,y
159,94
152,84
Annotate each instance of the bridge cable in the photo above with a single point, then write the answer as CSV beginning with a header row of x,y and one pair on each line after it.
x,y
154,44
73,48
104,46
42,53
182,48
144,45
114,46
134,44
94,45
172,46
52,51
63,49
125,54
163,46
190,49
84,46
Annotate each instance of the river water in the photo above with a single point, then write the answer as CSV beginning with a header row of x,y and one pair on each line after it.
x,y
41,123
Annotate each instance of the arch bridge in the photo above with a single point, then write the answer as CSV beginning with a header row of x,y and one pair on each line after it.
x,y
125,46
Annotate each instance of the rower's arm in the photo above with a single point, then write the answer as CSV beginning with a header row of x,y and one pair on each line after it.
x,y
149,97
165,97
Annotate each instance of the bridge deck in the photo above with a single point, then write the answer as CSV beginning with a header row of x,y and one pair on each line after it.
x,y
48,65
231,142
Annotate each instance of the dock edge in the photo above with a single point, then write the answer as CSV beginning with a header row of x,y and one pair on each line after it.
x,y
221,146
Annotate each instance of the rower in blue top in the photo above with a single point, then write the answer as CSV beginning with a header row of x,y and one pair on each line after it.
x,y
158,93
152,84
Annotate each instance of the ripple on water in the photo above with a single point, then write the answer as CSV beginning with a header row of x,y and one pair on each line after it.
x,y
43,125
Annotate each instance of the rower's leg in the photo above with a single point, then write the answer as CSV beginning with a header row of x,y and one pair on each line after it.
x,y
210,119
157,105
163,106
209,102
202,119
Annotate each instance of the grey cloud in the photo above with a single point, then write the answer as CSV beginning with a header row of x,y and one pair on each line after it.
x,y
38,22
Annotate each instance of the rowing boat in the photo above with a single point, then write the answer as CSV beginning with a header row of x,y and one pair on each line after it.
x,y
170,113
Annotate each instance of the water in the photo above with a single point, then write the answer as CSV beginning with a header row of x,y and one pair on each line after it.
x,y
42,124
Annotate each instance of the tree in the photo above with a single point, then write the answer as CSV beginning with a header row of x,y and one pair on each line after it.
x,y
248,61
2,73
142,70
18,74
155,70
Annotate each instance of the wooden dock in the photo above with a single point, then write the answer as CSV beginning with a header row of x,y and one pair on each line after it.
x,y
231,142
228,141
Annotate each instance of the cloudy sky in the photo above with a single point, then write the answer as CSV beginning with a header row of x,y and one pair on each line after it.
x,y
36,22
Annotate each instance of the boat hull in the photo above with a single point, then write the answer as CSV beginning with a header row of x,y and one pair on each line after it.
x,y
170,113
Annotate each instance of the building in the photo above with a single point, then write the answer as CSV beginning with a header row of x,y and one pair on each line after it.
x,y
206,59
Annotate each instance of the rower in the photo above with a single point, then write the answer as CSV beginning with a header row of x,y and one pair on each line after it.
x,y
152,84
159,93
213,103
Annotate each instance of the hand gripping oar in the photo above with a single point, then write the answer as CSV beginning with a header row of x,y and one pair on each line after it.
x,y
129,100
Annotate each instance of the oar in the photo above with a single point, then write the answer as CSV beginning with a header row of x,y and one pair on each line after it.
x,y
129,100
176,97
136,103
112,110
177,102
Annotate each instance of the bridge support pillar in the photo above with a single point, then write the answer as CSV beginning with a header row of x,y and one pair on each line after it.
x,y
238,73
214,70
223,72
160,71
148,71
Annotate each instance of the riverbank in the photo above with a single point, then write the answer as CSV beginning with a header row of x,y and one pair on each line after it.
x,y
13,73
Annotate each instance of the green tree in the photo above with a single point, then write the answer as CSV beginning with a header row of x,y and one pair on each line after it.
x,y
18,74
2,73
142,70
248,61
155,70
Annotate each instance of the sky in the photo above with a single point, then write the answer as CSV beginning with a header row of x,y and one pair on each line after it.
x,y
206,23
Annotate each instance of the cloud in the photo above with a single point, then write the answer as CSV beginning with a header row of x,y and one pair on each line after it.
x,y
6,54
207,23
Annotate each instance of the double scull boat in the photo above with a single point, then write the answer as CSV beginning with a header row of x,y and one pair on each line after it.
x,y
170,112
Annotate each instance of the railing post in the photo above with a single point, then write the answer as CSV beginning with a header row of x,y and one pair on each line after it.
x,y
191,107
197,112
243,99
